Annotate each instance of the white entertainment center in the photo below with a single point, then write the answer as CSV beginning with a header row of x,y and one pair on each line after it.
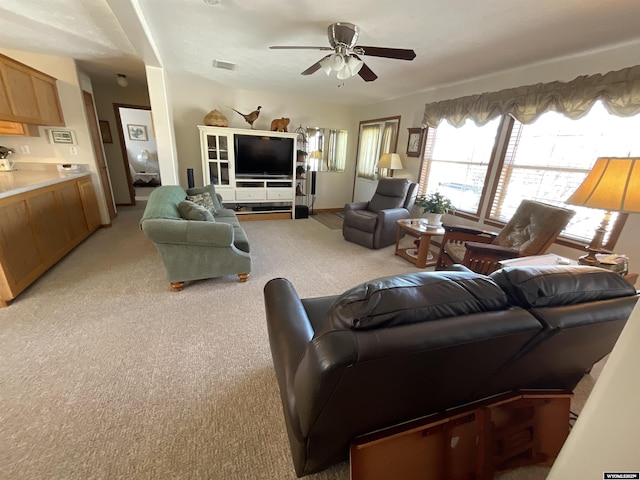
x,y
247,191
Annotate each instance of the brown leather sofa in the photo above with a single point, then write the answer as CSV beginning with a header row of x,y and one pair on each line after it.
x,y
407,346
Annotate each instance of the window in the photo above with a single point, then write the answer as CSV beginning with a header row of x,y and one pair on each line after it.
x,y
548,159
456,162
376,137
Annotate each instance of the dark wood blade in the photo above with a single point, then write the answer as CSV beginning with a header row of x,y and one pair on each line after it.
x,y
366,73
296,47
397,53
314,68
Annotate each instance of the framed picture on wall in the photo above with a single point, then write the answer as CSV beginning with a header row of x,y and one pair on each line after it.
x,y
58,135
414,142
105,131
137,132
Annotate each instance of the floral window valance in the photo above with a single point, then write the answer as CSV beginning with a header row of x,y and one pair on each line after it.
x,y
619,92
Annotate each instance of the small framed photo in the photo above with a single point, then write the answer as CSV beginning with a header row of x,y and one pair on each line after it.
x,y
415,141
105,131
58,135
137,132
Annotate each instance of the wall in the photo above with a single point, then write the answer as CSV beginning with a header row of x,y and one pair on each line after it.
x,y
411,108
70,84
193,97
105,95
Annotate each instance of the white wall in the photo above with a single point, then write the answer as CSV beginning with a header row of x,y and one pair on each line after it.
x,y
70,93
193,97
606,436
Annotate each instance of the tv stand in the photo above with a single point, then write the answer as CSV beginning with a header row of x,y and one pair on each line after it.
x,y
262,194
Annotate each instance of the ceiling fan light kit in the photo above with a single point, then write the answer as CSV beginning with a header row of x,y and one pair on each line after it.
x,y
344,60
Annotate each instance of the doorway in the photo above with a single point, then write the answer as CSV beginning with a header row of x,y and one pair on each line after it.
x,y
96,141
139,149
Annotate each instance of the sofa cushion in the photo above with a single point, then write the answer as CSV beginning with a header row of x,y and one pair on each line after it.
x,y
414,297
192,211
211,190
205,200
554,285
163,203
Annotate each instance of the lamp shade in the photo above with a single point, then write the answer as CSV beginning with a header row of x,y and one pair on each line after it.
x,y
391,161
613,184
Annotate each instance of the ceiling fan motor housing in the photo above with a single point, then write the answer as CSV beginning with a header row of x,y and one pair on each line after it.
x,y
343,34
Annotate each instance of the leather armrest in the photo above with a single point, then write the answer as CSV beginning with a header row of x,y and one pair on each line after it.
x,y
390,215
356,206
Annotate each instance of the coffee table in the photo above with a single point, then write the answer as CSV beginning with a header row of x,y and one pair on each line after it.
x,y
418,228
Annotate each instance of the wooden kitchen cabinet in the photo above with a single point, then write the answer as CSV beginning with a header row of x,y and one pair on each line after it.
x,y
17,128
28,95
39,227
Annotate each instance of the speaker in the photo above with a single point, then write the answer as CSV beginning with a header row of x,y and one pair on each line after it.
x,y
302,211
313,182
190,181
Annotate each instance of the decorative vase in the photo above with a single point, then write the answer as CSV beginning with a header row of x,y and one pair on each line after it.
x,y
433,219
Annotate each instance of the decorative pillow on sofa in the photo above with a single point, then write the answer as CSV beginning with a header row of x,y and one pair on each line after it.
x,y
205,200
192,211
211,190
413,298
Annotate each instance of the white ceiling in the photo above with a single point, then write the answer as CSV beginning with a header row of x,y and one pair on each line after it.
x,y
454,40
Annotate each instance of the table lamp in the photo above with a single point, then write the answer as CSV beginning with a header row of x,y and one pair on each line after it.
x,y
390,161
613,185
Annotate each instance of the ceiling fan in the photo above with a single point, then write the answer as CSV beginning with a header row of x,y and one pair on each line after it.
x,y
345,58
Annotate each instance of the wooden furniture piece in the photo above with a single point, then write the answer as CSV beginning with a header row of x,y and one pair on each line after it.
x,y
39,227
468,443
28,95
252,196
420,230
531,231
20,129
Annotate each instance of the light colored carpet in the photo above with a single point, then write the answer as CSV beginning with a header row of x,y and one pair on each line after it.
x,y
106,374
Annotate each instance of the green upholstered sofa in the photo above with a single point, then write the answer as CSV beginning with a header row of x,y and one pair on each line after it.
x,y
194,250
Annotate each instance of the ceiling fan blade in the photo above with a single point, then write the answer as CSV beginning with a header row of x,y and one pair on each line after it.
x,y
314,68
298,47
366,73
396,53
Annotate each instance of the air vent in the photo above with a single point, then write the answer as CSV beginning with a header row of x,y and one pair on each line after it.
x,y
224,65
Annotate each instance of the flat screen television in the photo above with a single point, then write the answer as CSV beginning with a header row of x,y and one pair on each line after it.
x,y
263,157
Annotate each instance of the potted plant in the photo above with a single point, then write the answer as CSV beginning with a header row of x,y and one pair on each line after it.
x,y
433,206
301,156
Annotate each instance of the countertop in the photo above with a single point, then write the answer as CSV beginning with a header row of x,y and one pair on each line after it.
x,y
24,180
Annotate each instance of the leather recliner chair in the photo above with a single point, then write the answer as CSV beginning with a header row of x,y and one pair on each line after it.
x,y
407,346
373,224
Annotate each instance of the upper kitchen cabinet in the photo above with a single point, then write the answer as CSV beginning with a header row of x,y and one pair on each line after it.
x,y
27,95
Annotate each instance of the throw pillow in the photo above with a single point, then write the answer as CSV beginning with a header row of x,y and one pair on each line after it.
x,y
211,190
205,200
192,211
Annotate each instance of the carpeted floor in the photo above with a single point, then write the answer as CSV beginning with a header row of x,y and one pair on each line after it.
x,y
106,374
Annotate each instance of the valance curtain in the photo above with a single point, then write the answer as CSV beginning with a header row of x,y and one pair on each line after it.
x,y
618,91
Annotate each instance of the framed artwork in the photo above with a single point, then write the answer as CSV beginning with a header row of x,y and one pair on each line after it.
x,y
63,136
137,132
105,131
415,141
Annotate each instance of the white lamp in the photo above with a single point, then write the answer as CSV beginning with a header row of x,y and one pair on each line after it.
x,y
345,65
390,161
